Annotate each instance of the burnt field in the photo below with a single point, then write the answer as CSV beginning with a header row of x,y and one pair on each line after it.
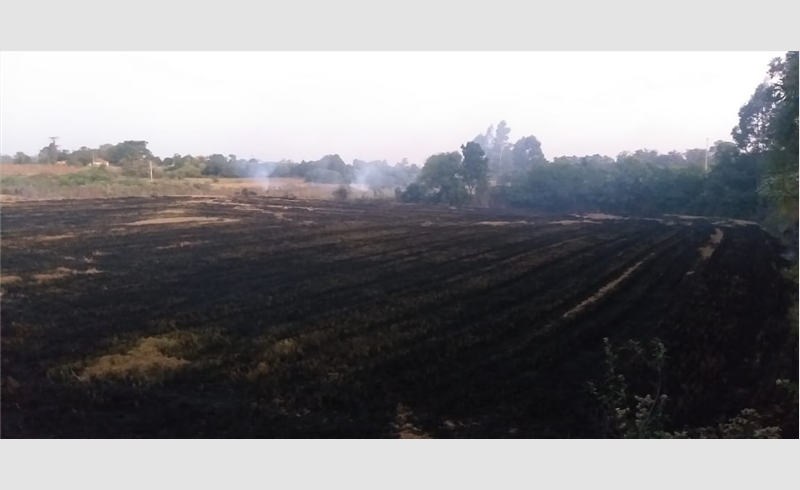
x,y
257,317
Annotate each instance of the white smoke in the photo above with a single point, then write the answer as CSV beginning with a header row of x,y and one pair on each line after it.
x,y
261,172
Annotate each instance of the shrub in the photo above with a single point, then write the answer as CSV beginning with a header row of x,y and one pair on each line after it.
x,y
85,177
341,193
630,416
135,168
185,172
413,193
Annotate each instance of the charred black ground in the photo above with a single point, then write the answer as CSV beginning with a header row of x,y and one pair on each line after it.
x,y
198,317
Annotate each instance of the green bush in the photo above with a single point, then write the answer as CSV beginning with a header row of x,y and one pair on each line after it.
x,y
86,177
135,168
629,416
413,193
185,172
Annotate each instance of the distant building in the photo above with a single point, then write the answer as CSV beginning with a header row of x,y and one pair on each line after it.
x,y
99,162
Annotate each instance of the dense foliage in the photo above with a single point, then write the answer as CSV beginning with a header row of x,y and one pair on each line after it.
x,y
755,177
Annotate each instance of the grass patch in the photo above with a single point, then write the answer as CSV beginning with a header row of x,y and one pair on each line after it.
x,y
147,359
185,219
9,279
93,183
61,273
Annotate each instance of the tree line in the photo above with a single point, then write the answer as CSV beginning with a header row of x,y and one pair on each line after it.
x,y
753,177
134,158
640,182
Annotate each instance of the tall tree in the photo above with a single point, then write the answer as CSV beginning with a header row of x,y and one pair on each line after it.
x,y
526,154
130,151
498,150
475,168
441,177
752,133
780,183
695,157
730,188
768,130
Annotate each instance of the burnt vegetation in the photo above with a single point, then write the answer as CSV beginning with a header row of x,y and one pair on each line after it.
x,y
481,294
258,317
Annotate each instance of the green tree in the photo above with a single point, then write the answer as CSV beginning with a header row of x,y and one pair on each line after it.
x,y
474,168
413,193
695,157
441,177
752,133
81,156
44,156
780,182
20,157
129,150
730,188
216,165
768,131
49,154
134,168
527,152
104,152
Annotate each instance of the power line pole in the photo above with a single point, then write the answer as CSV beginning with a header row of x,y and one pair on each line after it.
x,y
52,150
706,165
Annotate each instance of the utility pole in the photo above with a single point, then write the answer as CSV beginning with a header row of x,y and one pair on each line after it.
x,y
151,170
706,165
52,150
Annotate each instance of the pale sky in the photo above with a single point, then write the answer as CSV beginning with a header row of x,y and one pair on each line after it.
x,y
372,105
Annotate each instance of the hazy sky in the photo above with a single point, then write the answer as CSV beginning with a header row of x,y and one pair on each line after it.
x,y
372,105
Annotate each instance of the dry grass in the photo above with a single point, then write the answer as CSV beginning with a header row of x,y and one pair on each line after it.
x,y
601,216
605,289
186,219
275,187
502,223
180,245
61,273
28,240
573,222
713,242
33,189
735,222
286,347
9,279
50,238
145,360
404,428
37,168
